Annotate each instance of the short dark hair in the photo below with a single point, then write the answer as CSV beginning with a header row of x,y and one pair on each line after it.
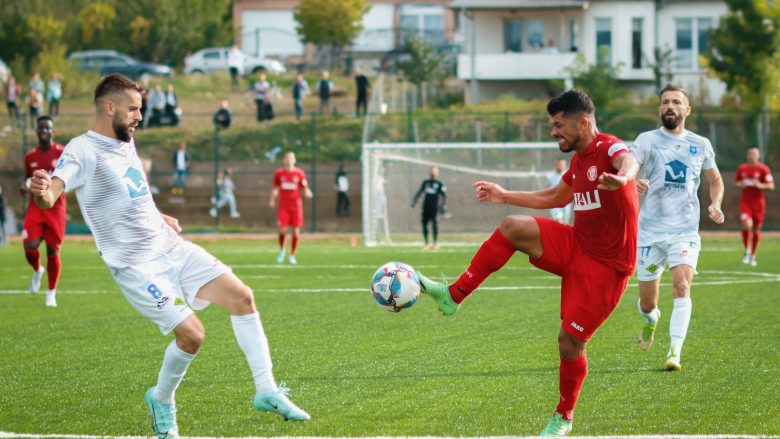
x,y
115,83
42,118
572,102
675,87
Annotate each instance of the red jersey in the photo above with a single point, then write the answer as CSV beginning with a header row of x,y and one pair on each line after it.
x,y
749,175
290,183
36,159
605,222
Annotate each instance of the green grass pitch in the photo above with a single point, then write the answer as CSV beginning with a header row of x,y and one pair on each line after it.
x,y
492,370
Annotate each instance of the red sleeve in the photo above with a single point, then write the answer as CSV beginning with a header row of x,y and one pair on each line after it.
x,y
738,174
766,175
277,178
304,183
615,149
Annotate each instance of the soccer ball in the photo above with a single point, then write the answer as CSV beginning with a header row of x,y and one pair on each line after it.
x,y
395,286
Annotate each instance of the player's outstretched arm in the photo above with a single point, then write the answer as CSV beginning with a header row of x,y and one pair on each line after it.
x,y
45,190
716,194
307,193
626,167
557,196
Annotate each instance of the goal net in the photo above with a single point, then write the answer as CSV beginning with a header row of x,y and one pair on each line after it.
x,y
394,172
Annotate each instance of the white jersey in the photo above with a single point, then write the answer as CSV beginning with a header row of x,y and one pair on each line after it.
x,y
115,199
673,165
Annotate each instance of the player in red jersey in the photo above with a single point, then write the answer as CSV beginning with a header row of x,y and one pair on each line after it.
x,y
288,183
594,258
754,178
47,225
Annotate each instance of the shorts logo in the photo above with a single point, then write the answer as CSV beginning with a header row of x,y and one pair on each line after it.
x,y
154,291
652,268
592,173
162,303
577,327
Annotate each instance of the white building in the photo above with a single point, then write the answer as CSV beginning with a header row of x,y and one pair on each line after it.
x,y
509,39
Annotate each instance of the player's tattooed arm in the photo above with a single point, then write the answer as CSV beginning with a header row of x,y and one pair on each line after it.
x,y
45,190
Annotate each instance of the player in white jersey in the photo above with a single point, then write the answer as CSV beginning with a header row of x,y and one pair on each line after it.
x,y
152,265
672,160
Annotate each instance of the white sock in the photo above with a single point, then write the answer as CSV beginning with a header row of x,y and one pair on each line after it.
x,y
51,292
174,367
651,317
251,339
678,323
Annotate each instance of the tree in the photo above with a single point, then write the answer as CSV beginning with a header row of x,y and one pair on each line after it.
x,y
743,50
330,23
600,82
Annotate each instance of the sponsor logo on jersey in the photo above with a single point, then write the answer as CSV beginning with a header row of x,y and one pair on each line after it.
x,y
592,173
676,172
135,182
577,327
60,162
587,200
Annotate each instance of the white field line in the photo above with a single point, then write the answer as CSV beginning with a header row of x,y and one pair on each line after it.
x,y
728,281
9,435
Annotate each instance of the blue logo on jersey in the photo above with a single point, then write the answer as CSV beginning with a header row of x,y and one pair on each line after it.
x,y
692,149
675,175
136,185
60,162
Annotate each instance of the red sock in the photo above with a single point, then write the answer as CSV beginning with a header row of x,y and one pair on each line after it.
x,y
745,238
572,374
53,265
295,239
756,239
281,240
491,256
33,257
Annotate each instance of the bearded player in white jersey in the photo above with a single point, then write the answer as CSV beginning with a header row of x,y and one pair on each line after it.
x,y
150,262
672,159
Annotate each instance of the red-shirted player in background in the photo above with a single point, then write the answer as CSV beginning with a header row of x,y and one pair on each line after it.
x,y
754,178
47,225
288,182
594,258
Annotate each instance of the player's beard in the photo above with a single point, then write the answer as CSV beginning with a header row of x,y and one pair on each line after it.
x,y
120,129
570,143
671,121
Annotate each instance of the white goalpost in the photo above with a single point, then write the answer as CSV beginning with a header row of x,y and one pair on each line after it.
x,y
393,173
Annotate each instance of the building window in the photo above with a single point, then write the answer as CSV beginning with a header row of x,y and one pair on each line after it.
x,y
426,22
573,36
704,26
684,42
536,35
604,40
636,43
513,40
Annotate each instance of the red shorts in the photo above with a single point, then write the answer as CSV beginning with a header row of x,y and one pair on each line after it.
x,y
47,224
289,216
754,211
590,290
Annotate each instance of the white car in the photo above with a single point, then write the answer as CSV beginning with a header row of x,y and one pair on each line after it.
x,y
215,59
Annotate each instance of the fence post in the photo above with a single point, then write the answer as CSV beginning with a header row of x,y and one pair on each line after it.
x,y
506,126
22,120
409,125
313,184
217,145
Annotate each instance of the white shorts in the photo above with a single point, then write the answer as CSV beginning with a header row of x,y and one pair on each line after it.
x,y
163,290
671,250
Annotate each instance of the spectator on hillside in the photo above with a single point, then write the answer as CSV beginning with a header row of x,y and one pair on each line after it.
x,y
54,94
13,94
35,105
325,88
342,191
235,59
222,117
362,92
181,165
157,104
36,84
225,194
299,91
262,90
172,105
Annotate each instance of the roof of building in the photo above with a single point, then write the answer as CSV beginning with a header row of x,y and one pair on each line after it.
x,y
519,4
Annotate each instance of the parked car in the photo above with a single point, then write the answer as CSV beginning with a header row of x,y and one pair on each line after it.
x,y
214,59
447,52
110,61
390,60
